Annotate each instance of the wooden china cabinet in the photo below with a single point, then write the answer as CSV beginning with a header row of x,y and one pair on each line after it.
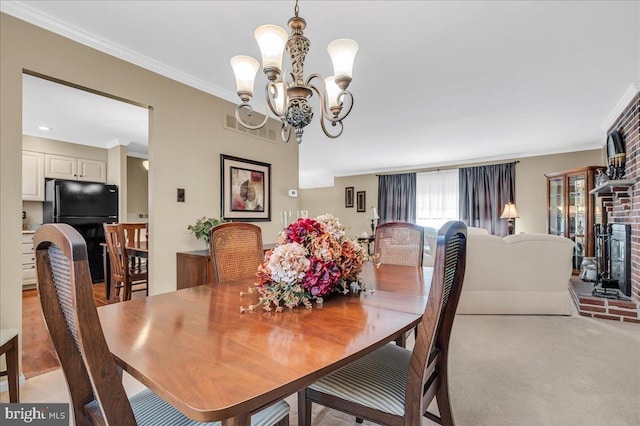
x,y
571,210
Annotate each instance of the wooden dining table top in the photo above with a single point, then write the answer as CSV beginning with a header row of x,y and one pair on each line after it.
x,y
196,350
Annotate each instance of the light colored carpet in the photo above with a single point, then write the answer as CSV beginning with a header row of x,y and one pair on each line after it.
x,y
506,370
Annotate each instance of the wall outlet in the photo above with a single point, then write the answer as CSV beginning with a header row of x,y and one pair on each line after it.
x,y
181,195
293,193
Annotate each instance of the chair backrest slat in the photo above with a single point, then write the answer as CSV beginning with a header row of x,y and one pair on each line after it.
x,y
66,295
133,233
114,236
236,251
399,243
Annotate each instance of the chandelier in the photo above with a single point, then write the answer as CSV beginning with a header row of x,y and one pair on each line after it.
x,y
288,96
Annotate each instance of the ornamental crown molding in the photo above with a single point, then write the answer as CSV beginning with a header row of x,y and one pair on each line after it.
x,y
624,101
22,11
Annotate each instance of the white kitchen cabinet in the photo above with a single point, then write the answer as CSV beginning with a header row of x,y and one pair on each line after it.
x,y
32,176
72,168
92,170
28,260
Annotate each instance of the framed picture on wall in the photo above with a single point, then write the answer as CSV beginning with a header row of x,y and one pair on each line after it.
x,y
362,201
348,196
245,189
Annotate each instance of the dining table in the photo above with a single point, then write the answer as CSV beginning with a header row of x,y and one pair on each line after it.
x,y
140,250
198,351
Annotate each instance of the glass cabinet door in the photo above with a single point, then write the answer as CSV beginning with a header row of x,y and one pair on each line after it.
x,y
576,216
556,206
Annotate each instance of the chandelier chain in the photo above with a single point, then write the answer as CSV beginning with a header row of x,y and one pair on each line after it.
x,y
296,9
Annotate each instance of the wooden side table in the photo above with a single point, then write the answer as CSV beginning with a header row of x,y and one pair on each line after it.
x,y
193,268
369,241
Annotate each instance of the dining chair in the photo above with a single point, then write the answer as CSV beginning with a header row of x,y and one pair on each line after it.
x,y
399,243
93,379
125,274
393,385
133,233
9,348
236,251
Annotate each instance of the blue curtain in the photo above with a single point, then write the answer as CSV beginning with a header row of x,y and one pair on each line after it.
x,y
397,198
484,190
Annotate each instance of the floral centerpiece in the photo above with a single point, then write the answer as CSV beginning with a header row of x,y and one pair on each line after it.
x,y
312,259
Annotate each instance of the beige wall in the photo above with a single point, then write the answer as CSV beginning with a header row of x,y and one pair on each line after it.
x,y
331,200
50,146
531,191
531,184
137,190
186,139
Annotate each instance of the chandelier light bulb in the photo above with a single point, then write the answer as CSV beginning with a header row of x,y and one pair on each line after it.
x,y
245,69
332,92
279,97
271,40
343,52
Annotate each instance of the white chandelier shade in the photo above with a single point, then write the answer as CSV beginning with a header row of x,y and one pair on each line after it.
x,y
271,40
288,93
343,53
245,69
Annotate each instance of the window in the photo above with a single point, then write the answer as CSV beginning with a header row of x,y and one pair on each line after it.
x,y
436,198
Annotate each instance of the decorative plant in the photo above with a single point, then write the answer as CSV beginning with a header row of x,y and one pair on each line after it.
x,y
312,259
202,227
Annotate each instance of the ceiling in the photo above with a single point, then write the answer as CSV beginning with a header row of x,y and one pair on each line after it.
x,y
435,83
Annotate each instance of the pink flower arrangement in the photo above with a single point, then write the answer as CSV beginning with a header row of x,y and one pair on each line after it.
x,y
312,259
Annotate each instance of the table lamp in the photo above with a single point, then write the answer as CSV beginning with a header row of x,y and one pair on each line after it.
x,y
374,216
510,213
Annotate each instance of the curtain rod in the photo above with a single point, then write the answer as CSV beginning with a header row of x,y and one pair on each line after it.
x,y
437,170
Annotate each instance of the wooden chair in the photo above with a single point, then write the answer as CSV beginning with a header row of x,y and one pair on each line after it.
x,y
393,385
399,243
9,347
124,273
236,251
133,233
94,382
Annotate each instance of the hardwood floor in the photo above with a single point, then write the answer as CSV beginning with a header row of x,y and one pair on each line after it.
x,y
38,353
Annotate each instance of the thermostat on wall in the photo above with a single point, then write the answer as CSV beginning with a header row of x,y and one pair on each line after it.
x,y
293,193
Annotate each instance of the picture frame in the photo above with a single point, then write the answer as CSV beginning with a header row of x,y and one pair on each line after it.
x,y
245,189
361,201
348,196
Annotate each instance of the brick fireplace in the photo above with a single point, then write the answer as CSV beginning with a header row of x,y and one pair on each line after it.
x,y
622,208
624,205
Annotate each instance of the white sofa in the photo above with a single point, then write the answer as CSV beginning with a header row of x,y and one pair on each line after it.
x,y
517,274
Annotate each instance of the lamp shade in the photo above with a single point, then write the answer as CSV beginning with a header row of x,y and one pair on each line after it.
x,y
374,214
509,211
343,52
332,91
245,69
271,40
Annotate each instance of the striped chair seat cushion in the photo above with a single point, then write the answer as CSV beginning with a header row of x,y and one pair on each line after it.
x,y
377,380
151,410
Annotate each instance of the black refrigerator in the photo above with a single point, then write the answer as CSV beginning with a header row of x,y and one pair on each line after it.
x,y
85,206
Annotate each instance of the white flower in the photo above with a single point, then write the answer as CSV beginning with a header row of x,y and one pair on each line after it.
x,y
332,225
288,263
